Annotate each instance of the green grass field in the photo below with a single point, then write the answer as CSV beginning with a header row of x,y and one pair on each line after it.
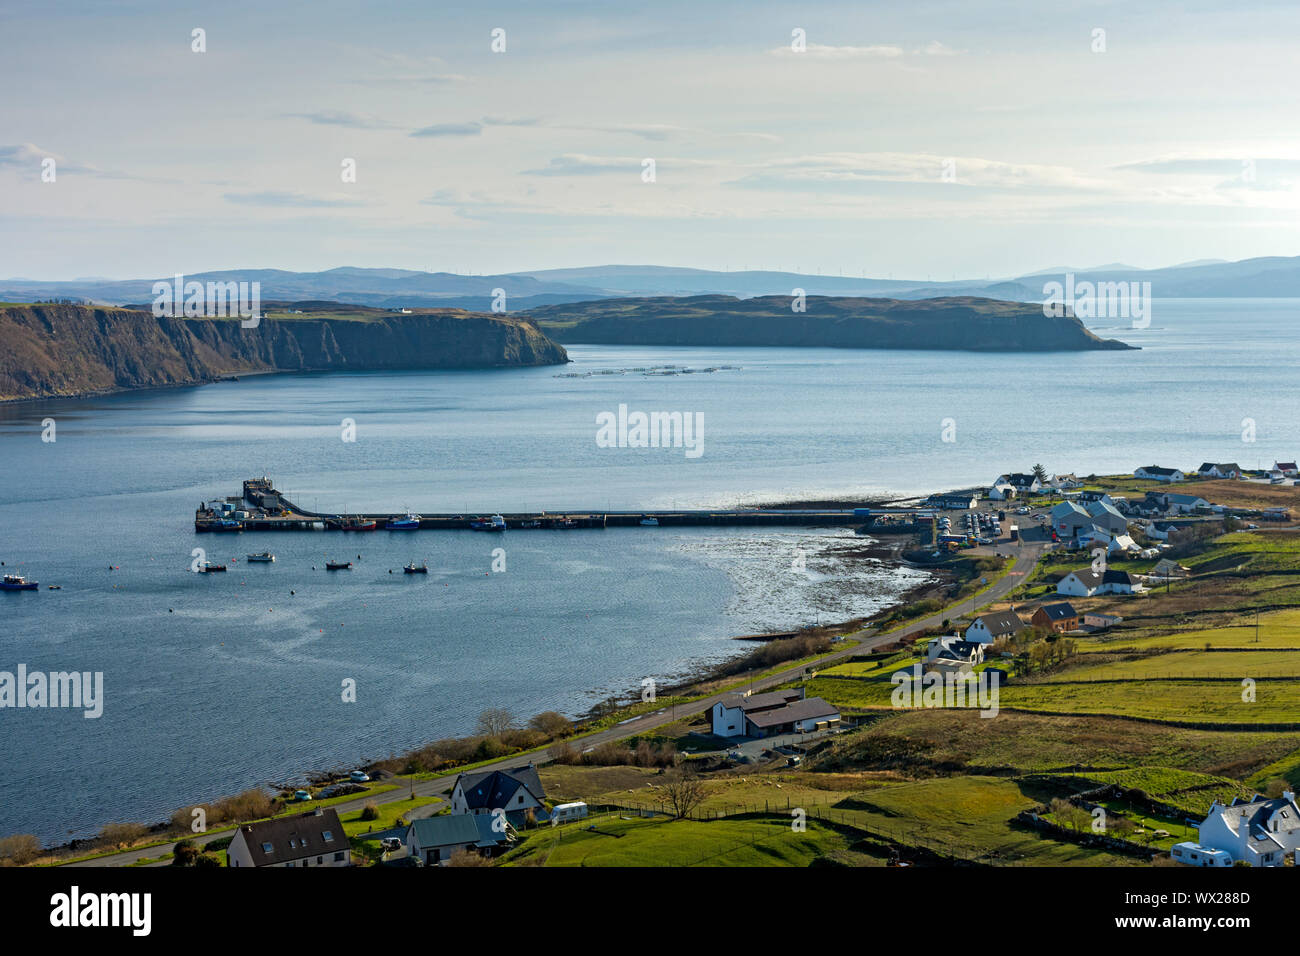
x,y
1231,664
632,841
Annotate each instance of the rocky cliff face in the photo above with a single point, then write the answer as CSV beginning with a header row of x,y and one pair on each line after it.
x,y
968,324
63,350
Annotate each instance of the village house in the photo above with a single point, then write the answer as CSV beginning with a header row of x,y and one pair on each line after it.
x,y
1095,537
314,838
1211,469
1155,473
1287,468
1260,832
987,628
951,653
1023,484
517,791
1085,497
1181,504
1002,491
1086,582
1066,483
1105,515
1059,617
779,712
1167,568
433,840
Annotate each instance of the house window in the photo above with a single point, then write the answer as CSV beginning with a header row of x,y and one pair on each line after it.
x,y
320,860
267,848
329,836
521,798
338,857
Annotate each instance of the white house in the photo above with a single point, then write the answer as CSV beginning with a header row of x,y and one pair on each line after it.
x,y
1096,537
1155,473
987,628
1066,483
1287,468
1261,832
516,791
1002,491
728,714
780,712
314,838
1024,484
954,649
1184,504
1211,469
1101,622
1086,582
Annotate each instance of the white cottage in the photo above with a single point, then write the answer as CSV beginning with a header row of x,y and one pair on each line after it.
x,y
1260,832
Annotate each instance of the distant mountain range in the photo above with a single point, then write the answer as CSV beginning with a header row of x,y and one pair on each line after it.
x,y
1269,277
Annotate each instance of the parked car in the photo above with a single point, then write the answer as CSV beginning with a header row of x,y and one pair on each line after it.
x,y
301,795
358,776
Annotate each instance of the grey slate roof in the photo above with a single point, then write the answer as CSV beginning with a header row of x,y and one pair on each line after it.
x,y
808,709
493,789
297,837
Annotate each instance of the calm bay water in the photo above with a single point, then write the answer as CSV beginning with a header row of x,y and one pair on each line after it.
x,y
216,682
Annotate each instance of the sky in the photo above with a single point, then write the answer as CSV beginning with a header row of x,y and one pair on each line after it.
x,y
908,140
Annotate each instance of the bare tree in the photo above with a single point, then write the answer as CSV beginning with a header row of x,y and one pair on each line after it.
x,y
495,721
685,792
20,849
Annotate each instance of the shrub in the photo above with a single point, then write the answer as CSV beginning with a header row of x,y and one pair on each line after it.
x,y
370,811
20,849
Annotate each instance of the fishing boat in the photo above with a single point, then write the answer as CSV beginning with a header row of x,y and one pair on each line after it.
x,y
16,582
219,524
648,522
209,567
338,565
494,523
262,557
359,524
414,568
409,523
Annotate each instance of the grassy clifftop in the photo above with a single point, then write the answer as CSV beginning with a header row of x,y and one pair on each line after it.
x,y
966,323
65,350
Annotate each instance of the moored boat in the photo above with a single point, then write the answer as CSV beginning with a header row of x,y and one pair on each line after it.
x,y
16,582
338,565
262,557
414,568
359,524
648,522
411,522
209,567
494,523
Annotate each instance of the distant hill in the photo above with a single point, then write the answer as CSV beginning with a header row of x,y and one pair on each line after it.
x,y
964,323
65,350
1272,276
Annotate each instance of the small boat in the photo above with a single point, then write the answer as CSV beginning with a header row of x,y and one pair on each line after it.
x,y
359,524
262,557
16,582
494,523
648,522
409,523
209,567
55,587
338,565
414,568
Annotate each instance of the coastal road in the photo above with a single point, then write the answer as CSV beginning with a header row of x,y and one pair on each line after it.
x,y
1024,553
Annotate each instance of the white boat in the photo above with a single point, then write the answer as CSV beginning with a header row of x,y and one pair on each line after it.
x,y
649,522
264,557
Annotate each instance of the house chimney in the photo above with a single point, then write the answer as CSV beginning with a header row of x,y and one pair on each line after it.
x,y
1288,795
